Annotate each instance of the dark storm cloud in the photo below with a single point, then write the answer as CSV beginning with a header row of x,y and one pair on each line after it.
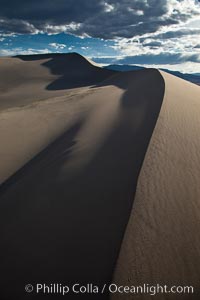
x,y
57,11
41,13
105,19
23,27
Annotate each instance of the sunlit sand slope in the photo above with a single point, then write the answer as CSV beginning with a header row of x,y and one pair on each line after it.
x,y
162,240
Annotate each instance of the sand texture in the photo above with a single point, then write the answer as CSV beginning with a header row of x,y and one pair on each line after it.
x,y
100,177
64,212
162,240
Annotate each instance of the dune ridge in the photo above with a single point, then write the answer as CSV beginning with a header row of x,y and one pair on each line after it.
x,y
37,92
63,213
161,243
29,78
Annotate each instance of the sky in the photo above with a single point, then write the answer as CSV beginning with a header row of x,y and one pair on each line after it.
x,y
152,33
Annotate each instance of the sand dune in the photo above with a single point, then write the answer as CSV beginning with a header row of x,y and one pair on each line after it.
x,y
31,104
69,170
162,240
29,78
64,213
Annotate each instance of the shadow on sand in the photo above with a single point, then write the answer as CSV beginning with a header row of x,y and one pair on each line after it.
x,y
72,70
58,226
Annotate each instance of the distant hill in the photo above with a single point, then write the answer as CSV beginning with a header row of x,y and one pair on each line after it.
x,y
123,68
194,78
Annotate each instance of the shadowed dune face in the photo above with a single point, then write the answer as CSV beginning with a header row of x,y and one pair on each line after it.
x,y
63,215
72,71
162,240
26,79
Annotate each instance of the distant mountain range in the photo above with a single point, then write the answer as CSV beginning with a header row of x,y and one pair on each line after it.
x,y
194,78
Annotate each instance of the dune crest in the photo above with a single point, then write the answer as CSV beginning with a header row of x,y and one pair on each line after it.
x,y
78,143
26,79
64,212
162,241
40,95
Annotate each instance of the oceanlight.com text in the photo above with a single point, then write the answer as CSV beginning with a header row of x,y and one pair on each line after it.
x,y
77,288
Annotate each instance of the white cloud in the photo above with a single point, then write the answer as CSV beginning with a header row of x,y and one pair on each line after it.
x,y
20,51
136,11
187,67
57,46
175,39
108,7
184,67
55,29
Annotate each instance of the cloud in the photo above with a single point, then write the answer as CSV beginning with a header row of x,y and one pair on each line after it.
x,y
21,51
139,31
8,26
57,46
151,59
175,41
162,58
103,19
175,62
177,33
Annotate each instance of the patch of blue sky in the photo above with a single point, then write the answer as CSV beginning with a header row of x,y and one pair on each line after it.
x,y
62,43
